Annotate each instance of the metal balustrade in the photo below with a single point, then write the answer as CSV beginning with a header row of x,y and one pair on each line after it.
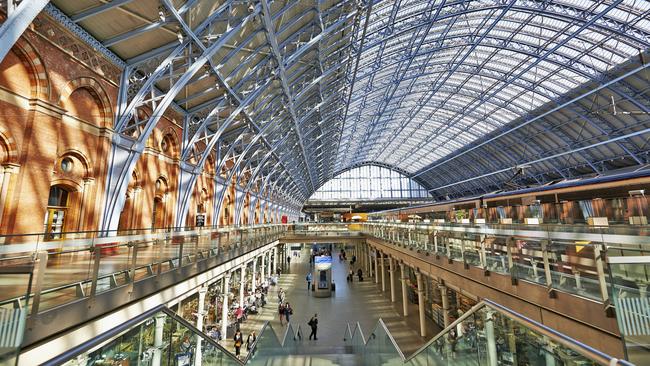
x,y
85,264
568,258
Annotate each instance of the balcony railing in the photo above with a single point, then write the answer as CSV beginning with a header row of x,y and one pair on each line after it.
x,y
85,264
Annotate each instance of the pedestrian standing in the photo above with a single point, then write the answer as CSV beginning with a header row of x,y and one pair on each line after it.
x,y
360,274
313,324
309,279
288,260
239,340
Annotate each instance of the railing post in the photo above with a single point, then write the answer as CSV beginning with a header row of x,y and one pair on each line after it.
x,y
97,255
483,256
435,242
160,254
599,257
511,264
180,254
41,265
547,269
134,261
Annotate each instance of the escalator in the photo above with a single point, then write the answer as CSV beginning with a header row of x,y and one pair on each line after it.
x,y
154,338
488,334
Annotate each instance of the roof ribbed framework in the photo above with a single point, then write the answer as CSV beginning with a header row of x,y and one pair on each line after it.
x,y
466,97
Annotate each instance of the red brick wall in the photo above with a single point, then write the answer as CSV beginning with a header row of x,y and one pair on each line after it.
x,y
57,100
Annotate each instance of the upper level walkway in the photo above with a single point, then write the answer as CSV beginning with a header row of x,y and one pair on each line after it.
x,y
558,272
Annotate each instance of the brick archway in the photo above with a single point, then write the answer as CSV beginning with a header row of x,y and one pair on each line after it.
x,y
96,90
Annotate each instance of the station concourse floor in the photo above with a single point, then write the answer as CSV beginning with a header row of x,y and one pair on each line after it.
x,y
351,302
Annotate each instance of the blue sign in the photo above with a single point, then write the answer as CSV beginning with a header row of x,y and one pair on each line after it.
x,y
323,262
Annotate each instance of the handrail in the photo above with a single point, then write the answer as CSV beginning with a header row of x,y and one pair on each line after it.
x,y
390,337
251,352
204,336
358,328
569,342
124,327
448,328
102,338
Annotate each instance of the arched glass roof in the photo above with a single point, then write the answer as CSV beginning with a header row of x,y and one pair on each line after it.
x,y
459,94
369,182
436,76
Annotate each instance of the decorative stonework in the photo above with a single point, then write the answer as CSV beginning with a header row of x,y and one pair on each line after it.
x,y
95,86
52,25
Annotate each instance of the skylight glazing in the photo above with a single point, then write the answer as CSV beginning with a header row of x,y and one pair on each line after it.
x,y
369,182
434,78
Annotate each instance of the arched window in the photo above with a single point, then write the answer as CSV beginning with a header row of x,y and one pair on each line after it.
x,y
159,214
370,182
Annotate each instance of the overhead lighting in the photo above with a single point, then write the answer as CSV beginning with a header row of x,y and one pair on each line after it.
x,y
179,35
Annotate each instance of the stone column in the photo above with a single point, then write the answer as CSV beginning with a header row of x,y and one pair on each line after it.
x,y
445,304
8,170
383,273
268,263
242,284
376,266
262,268
418,276
391,268
490,338
158,335
254,275
224,307
199,324
275,258
402,267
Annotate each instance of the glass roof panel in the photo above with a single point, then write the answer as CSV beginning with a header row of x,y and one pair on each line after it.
x,y
475,70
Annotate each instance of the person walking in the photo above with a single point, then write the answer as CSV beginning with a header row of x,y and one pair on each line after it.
x,y
288,311
360,274
239,340
289,260
280,296
281,310
313,324
250,340
308,279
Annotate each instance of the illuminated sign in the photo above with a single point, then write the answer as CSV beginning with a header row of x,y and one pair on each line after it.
x,y
323,262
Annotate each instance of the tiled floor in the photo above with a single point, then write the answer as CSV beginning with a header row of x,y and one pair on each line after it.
x,y
351,302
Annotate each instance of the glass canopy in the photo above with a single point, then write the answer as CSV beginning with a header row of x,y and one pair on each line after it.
x,y
369,182
436,76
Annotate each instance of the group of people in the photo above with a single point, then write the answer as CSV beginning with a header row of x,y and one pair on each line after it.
x,y
284,308
351,275
238,338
